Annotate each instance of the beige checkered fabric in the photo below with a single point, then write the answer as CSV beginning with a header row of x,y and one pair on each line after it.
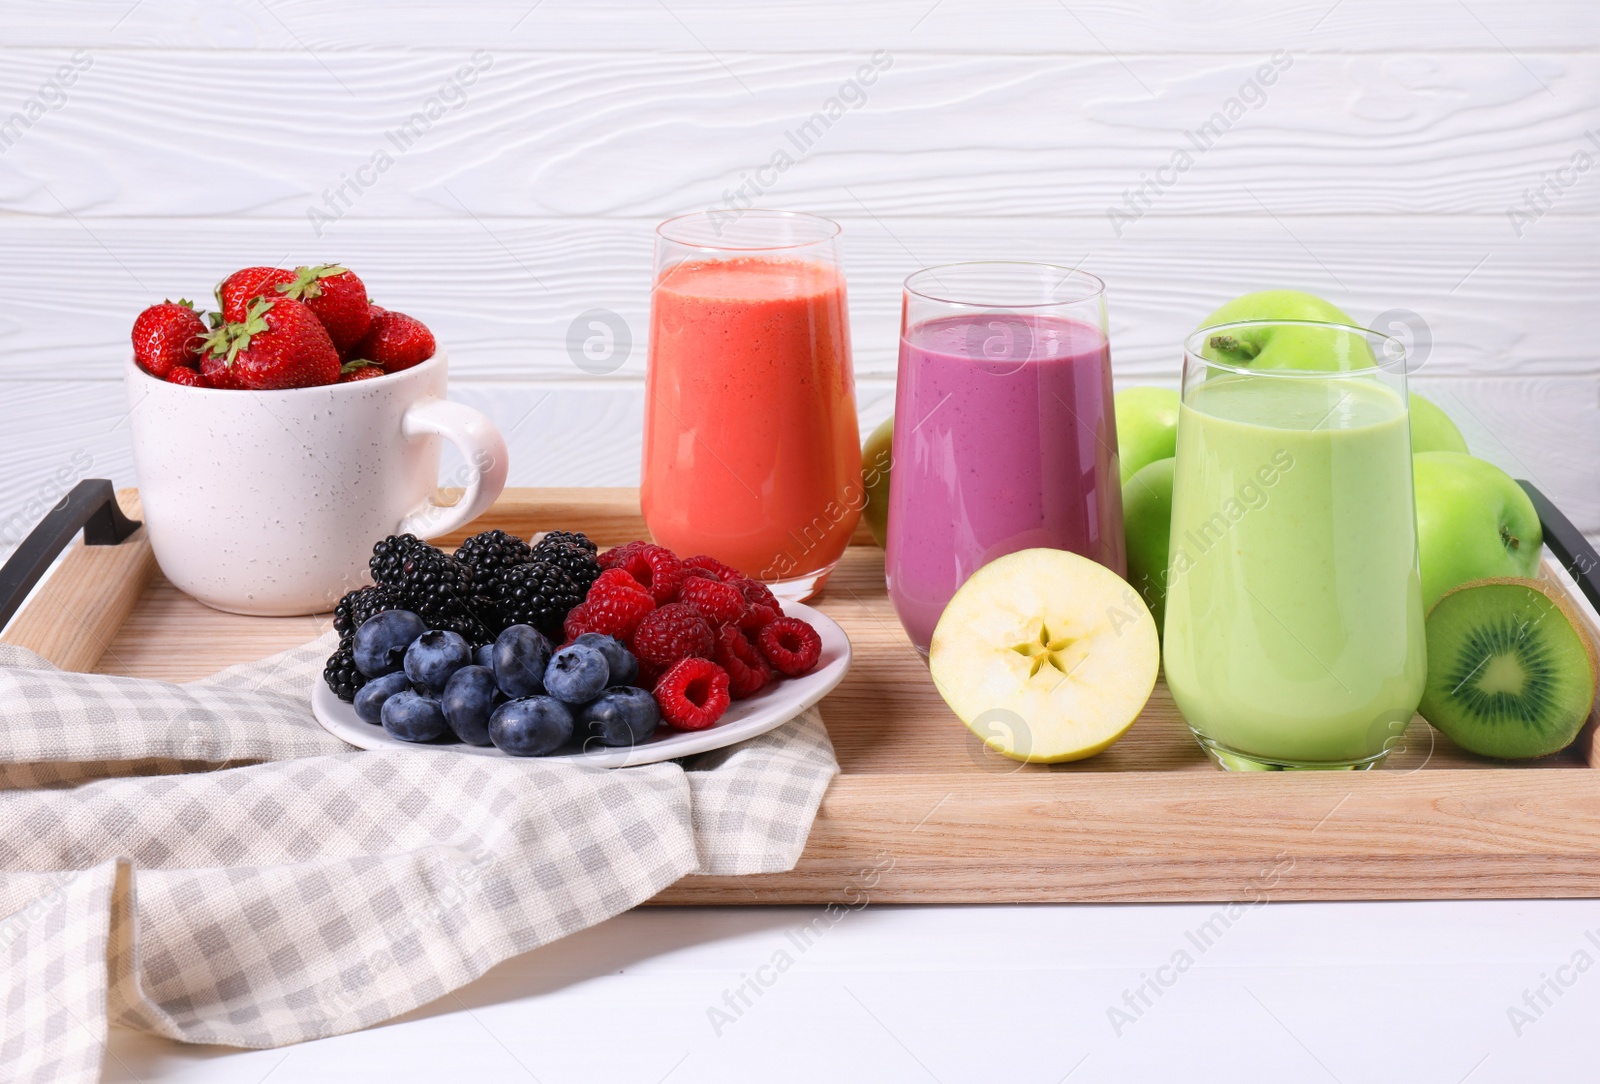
x,y
204,862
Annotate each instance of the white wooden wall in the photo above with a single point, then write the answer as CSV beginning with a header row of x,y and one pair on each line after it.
x,y
1381,169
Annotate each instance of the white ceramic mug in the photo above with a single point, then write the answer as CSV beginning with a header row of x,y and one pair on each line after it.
x,y
268,502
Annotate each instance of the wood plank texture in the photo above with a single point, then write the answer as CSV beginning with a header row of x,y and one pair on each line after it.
x,y
1378,167
957,134
1162,836
924,813
1017,26
502,294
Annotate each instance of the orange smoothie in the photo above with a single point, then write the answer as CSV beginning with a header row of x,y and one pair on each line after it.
x,y
751,451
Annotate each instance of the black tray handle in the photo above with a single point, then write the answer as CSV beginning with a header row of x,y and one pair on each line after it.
x,y
1567,543
92,508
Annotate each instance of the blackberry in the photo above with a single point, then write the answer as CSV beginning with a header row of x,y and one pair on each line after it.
x,y
472,624
432,583
537,594
389,557
578,563
571,538
342,676
358,605
491,551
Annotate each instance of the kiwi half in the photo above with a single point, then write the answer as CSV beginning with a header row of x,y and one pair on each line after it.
x,y
1511,673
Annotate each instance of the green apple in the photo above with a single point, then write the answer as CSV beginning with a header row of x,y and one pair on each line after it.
x,y
1147,530
1285,347
877,455
1431,428
1045,655
1278,305
1473,523
1147,427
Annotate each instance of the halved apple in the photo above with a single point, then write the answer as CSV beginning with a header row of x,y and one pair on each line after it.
x,y
1046,655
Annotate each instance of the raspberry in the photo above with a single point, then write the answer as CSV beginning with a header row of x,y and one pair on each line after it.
x,y
693,694
717,602
614,581
671,633
756,591
649,674
761,607
615,615
613,557
721,571
658,569
579,620
790,645
748,672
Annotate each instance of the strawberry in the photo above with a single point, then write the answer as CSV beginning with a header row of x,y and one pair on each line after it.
x,y
182,374
235,292
360,370
395,341
215,373
338,298
279,344
168,336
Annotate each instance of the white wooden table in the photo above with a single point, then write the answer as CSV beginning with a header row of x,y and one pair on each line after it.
x,y
1345,992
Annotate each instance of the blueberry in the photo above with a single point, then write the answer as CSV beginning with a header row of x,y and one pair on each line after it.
x,y
410,716
622,715
576,674
433,657
371,698
624,667
381,641
531,727
520,655
483,655
468,701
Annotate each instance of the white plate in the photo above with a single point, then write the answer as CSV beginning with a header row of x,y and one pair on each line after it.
x,y
767,710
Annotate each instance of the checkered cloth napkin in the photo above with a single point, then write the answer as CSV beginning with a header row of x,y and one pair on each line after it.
x,y
204,862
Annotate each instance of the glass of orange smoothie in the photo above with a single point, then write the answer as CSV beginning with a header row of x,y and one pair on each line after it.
x,y
751,450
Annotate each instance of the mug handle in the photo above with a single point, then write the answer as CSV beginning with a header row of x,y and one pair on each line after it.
x,y
481,446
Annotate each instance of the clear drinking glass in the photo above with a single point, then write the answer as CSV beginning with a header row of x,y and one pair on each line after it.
x,y
1004,433
751,447
1294,634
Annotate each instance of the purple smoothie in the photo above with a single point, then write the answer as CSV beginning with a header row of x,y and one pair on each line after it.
x,y
1004,439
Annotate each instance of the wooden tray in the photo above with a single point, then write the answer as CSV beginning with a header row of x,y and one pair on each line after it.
x,y
924,813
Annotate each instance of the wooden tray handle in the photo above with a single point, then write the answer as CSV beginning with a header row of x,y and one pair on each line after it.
x,y
1567,544
92,508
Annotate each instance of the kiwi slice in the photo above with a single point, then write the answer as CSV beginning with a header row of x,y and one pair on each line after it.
x,y
1511,673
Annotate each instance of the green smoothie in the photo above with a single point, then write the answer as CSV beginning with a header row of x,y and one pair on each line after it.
x,y
1294,608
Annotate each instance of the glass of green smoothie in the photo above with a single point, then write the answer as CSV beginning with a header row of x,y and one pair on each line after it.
x,y
1293,634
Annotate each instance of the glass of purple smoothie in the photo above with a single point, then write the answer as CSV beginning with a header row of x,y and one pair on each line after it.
x,y
1004,435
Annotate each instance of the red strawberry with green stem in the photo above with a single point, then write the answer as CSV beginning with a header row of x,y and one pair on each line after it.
x,y
360,370
395,341
168,336
235,292
338,298
279,344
